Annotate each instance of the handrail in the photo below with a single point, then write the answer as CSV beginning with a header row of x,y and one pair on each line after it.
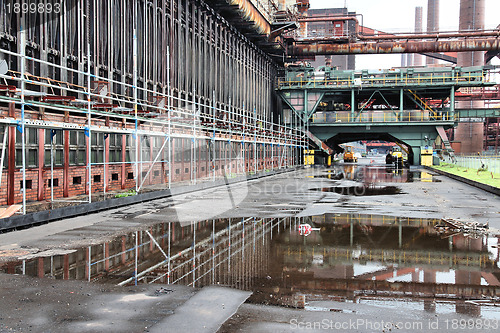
x,y
383,116
391,80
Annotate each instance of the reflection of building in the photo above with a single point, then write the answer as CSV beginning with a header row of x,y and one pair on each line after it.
x,y
356,254
343,62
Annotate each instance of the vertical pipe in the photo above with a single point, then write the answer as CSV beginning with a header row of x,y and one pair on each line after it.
x,y
89,262
105,163
169,110
23,134
194,256
168,265
136,255
89,119
401,106
135,98
51,165
213,251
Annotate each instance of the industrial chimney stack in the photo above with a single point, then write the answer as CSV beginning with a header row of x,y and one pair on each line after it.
x,y
432,23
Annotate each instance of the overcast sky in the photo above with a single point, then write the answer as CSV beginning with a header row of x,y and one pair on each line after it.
x,y
399,16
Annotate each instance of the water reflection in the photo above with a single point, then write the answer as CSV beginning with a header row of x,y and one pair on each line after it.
x,y
352,257
376,174
366,257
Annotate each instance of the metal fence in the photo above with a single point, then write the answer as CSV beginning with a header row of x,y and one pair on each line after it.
x,y
488,162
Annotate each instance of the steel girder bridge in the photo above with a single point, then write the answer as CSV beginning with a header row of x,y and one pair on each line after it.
x,y
408,106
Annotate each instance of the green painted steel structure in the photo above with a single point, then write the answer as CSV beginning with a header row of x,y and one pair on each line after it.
x,y
406,105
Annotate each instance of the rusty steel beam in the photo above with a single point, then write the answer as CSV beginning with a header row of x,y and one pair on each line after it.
x,y
409,46
437,35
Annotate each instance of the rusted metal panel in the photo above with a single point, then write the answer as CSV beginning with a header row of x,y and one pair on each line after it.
x,y
408,46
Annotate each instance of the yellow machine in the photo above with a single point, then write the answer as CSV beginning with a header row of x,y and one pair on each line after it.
x,y
426,156
308,157
349,155
397,157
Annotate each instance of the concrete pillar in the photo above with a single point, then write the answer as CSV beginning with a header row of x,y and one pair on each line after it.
x,y
432,23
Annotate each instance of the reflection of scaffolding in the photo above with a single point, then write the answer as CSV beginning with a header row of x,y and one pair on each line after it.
x,y
227,251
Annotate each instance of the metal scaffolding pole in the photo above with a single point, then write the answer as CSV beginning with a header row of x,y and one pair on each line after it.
x,y
23,128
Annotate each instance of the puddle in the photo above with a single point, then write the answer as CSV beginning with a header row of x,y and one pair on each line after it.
x,y
361,190
376,174
346,258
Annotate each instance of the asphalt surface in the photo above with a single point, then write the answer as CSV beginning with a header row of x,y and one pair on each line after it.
x,y
45,305
276,196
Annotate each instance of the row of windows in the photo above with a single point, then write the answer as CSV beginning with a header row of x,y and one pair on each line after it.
x,y
150,147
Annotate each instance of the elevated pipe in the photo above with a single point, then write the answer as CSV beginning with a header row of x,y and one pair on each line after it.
x,y
409,46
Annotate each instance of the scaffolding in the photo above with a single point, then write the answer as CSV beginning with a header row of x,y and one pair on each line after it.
x,y
78,119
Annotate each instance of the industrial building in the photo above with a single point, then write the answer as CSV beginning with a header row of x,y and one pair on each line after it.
x,y
99,97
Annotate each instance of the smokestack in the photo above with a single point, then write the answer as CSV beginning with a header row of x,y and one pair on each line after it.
x,y
471,134
417,58
302,7
471,18
432,23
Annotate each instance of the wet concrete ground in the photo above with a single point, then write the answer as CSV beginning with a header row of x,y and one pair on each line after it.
x,y
301,194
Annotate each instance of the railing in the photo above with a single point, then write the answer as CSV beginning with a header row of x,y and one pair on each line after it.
x,y
382,116
375,81
489,163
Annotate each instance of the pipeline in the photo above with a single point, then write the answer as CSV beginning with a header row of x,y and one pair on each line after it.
x,y
323,47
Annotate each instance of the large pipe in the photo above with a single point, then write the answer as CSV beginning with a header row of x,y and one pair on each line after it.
x,y
409,46
460,34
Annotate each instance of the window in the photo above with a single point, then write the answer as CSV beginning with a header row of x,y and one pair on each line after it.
x,y
177,149
130,175
97,178
29,184
77,148
203,151
157,142
115,148
156,173
54,139
55,180
97,144
31,148
77,180
114,176
187,150
129,153
146,148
